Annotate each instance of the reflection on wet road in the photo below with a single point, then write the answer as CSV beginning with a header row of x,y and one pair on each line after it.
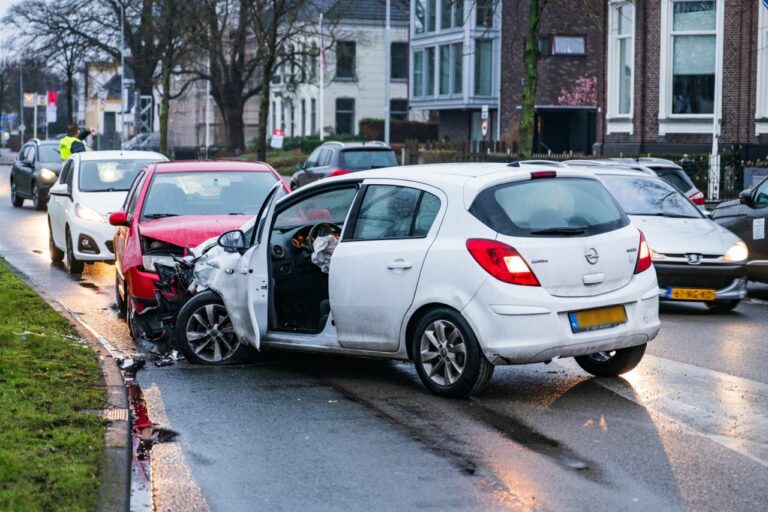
x,y
686,430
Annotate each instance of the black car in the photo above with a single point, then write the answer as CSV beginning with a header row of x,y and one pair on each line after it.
x,y
747,217
34,172
335,158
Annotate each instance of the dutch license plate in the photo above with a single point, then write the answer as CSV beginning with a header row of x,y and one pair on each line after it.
x,y
593,319
690,294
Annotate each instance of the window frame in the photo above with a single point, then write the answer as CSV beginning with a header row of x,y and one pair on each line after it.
x,y
476,61
761,85
347,45
614,59
351,112
392,111
554,37
404,65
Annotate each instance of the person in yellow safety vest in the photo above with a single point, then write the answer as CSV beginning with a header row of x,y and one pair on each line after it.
x,y
74,142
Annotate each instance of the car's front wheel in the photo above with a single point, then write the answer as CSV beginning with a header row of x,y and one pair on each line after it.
x,y
72,264
447,356
612,363
722,306
16,200
56,254
122,305
38,200
205,334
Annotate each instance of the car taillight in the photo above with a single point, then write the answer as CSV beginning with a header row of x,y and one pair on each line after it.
x,y
339,172
697,198
643,256
502,262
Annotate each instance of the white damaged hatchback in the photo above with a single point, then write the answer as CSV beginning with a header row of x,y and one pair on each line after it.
x,y
458,267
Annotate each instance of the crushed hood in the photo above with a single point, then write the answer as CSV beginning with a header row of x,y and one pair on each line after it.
x,y
683,236
190,230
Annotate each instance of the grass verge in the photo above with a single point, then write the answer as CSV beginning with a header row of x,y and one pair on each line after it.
x,y
49,451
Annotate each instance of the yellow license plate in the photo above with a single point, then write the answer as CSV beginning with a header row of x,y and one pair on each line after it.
x,y
690,294
593,319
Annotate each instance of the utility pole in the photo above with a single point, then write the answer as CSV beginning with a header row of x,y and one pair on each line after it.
x,y
122,76
208,110
34,120
321,78
21,102
387,72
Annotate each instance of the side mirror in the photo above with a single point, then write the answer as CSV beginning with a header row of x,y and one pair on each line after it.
x,y
745,197
299,166
119,219
233,241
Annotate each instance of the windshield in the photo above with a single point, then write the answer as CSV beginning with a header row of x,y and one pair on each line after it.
x,y
207,193
641,195
48,153
109,175
549,207
362,159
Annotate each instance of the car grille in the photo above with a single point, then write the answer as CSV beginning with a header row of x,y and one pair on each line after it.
x,y
110,246
691,280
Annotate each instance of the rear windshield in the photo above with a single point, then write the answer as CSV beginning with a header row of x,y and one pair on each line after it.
x,y
549,207
645,195
207,193
675,177
364,158
48,153
109,175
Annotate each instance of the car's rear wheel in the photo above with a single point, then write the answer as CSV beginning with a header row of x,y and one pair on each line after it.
x,y
205,334
612,363
722,306
72,264
119,299
38,201
15,199
56,254
447,356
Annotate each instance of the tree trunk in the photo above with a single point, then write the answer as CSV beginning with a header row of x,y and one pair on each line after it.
x,y
70,99
261,152
531,77
165,102
231,109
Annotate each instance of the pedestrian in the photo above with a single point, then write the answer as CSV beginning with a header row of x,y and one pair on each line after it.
x,y
74,142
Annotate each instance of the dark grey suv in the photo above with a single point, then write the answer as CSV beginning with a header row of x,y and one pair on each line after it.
x,y
34,172
336,158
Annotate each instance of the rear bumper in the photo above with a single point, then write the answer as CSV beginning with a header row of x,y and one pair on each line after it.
x,y
729,281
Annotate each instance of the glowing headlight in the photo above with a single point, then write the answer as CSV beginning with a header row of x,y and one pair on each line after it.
x,y
738,252
148,262
47,174
88,214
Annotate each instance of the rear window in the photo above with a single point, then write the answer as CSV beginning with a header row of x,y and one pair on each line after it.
x,y
48,153
363,158
549,207
675,177
645,195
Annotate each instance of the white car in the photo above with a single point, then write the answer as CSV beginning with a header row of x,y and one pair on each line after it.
x,y
90,186
696,259
458,267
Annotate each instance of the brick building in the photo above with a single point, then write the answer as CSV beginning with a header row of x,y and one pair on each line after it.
x,y
671,63
571,69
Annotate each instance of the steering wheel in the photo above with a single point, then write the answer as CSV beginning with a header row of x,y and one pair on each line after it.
x,y
321,229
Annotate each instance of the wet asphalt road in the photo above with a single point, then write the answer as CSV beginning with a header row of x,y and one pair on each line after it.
x,y
686,430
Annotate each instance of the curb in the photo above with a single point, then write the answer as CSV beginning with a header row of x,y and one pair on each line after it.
x,y
115,468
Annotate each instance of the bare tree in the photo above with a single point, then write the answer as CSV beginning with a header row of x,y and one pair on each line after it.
x,y
531,76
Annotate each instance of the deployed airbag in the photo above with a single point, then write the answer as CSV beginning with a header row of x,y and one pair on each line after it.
x,y
324,247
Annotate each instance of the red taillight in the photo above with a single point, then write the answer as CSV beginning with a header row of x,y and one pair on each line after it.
x,y
697,199
339,172
643,256
537,175
502,262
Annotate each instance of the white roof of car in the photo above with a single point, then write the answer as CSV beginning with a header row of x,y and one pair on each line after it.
x,y
119,155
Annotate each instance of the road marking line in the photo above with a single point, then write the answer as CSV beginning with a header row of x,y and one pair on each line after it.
x,y
104,342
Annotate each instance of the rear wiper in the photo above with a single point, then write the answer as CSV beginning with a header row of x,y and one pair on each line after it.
x,y
560,231
160,215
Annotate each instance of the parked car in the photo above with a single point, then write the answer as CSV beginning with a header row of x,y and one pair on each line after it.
x,y
91,185
458,267
337,158
33,173
150,141
170,207
695,258
747,217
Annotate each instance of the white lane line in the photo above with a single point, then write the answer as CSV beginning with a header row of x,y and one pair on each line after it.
x,y
729,410
115,353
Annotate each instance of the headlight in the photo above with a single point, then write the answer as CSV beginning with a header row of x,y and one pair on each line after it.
x,y
88,214
47,174
738,252
148,262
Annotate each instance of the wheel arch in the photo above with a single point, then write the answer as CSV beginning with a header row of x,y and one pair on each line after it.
x,y
416,316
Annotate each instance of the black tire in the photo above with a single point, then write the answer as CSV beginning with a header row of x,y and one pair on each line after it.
x,y
722,306
38,202
466,369
72,264
57,255
612,364
203,314
16,200
293,186
122,306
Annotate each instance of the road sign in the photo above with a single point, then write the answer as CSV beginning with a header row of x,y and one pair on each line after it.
x,y
484,128
29,99
276,141
22,127
484,113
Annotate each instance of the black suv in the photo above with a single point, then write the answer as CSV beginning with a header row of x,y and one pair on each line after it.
x,y
34,172
335,158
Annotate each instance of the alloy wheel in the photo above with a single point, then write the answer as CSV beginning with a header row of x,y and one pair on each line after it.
x,y
210,334
443,352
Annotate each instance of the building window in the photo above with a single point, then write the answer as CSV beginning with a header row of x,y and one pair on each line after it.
x,y
621,56
313,63
313,116
418,74
345,59
484,13
345,116
694,41
431,15
458,68
429,71
420,9
399,68
274,116
762,69
483,67
282,116
451,14
568,45
445,70
293,120
303,117
398,110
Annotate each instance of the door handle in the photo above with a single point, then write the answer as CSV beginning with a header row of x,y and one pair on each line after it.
x,y
399,264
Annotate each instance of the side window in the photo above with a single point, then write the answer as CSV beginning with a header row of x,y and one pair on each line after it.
x,y
25,151
329,206
70,175
313,158
133,195
389,211
761,197
32,153
65,172
325,157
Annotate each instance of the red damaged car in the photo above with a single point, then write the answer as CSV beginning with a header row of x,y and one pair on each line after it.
x,y
173,206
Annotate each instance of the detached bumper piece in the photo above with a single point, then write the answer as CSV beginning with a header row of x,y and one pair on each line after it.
x,y
171,293
728,281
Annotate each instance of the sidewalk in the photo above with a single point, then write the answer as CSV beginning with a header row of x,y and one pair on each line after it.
x,y
7,157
